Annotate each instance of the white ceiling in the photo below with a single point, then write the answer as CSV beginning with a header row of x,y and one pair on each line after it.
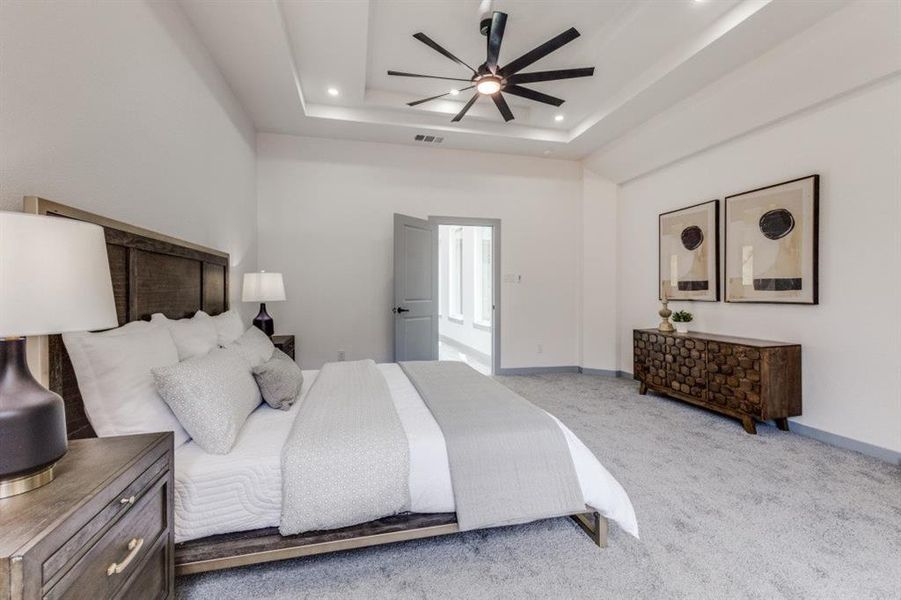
x,y
281,56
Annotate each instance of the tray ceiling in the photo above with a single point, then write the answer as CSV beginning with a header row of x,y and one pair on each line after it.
x,y
282,57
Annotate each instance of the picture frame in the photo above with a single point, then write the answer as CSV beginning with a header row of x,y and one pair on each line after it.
x,y
688,253
772,243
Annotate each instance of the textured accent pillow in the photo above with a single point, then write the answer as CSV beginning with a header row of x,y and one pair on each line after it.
x,y
212,396
193,337
113,372
279,380
229,327
254,345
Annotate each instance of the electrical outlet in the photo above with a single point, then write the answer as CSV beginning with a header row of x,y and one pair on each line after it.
x,y
341,355
540,349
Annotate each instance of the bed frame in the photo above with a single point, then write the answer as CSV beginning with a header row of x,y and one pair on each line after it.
x,y
151,273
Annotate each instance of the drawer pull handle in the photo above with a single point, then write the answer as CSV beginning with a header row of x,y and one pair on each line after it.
x,y
129,500
134,546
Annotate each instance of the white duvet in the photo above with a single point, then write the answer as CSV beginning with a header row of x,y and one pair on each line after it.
x,y
241,490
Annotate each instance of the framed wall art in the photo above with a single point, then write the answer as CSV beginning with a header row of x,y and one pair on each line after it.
x,y
772,243
689,253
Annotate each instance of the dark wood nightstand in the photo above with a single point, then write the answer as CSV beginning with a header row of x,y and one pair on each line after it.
x,y
285,343
103,528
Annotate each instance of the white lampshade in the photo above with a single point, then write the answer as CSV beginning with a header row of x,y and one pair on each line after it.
x,y
263,287
54,276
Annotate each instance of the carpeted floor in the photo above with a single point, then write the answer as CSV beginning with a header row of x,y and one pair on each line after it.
x,y
722,515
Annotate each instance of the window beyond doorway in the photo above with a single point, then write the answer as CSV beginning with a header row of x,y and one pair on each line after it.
x,y
456,273
465,287
483,301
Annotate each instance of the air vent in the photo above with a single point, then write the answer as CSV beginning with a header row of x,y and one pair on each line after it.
x,y
428,139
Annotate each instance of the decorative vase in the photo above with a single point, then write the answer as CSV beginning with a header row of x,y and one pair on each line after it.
x,y
681,327
665,313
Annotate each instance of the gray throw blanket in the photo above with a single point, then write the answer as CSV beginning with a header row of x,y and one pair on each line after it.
x,y
509,461
346,460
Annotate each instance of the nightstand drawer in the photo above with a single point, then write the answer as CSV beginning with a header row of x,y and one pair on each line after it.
x,y
120,552
125,501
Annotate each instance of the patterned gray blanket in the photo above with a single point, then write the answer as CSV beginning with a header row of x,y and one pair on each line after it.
x,y
509,461
346,460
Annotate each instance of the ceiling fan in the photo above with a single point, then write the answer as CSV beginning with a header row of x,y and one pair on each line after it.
x,y
491,79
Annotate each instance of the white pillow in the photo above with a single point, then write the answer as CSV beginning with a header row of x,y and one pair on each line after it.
x,y
193,337
255,346
229,327
212,395
113,373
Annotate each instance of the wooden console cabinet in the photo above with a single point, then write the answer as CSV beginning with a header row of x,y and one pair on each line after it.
x,y
744,378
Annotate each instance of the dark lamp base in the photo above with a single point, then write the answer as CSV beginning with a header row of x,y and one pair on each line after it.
x,y
32,424
264,322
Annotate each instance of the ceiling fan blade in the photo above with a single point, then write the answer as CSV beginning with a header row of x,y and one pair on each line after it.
x,y
402,74
495,36
502,106
466,108
540,52
438,96
437,48
551,75
532,95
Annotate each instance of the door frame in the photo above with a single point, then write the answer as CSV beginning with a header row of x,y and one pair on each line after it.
x,y
495,225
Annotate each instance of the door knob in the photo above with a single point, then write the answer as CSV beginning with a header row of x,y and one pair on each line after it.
x,y
399,309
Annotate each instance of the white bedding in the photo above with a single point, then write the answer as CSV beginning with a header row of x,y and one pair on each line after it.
x,y
242,489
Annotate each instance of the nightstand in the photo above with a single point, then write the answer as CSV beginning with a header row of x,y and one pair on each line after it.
x,y
103,528
285,343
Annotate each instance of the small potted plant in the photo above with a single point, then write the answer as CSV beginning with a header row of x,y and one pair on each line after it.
x,y
682,318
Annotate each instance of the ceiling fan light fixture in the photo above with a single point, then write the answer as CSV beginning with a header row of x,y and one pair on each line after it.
x,y
489,85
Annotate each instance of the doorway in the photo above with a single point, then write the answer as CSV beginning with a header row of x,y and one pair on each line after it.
x,y
468,293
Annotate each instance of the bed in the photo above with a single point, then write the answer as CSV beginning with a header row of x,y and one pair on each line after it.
x,y
227,506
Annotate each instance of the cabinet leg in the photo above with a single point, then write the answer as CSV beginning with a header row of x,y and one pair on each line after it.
x,y
782,423
748,424
643,388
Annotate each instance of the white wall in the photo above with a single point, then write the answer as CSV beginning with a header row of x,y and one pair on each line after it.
x,y
464,330
325,221
600,310
851,340
116,108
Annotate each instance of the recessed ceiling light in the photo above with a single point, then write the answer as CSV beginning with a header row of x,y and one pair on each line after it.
x,y
333,92
558,118
454,92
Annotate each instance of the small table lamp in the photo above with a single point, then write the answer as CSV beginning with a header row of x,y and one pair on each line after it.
x,y
263,287
54,278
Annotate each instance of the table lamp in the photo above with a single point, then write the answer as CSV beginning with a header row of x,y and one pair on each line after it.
x,y
263,287
54,278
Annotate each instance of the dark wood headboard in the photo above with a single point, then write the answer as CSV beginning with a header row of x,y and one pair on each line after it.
x,y
151,273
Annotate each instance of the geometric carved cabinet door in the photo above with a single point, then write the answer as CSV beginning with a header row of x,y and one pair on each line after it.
x,y
735,377
686,362
650,359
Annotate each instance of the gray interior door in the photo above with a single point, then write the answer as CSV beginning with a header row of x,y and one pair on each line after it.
x,y
415,289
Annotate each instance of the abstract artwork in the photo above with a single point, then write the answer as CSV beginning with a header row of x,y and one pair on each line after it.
x,y
689,253
771,243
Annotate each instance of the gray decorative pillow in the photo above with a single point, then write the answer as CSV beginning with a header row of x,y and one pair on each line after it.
x,y
212,396
279,380
254,346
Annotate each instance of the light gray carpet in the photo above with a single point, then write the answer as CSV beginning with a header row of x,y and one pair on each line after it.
x,y
722,515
